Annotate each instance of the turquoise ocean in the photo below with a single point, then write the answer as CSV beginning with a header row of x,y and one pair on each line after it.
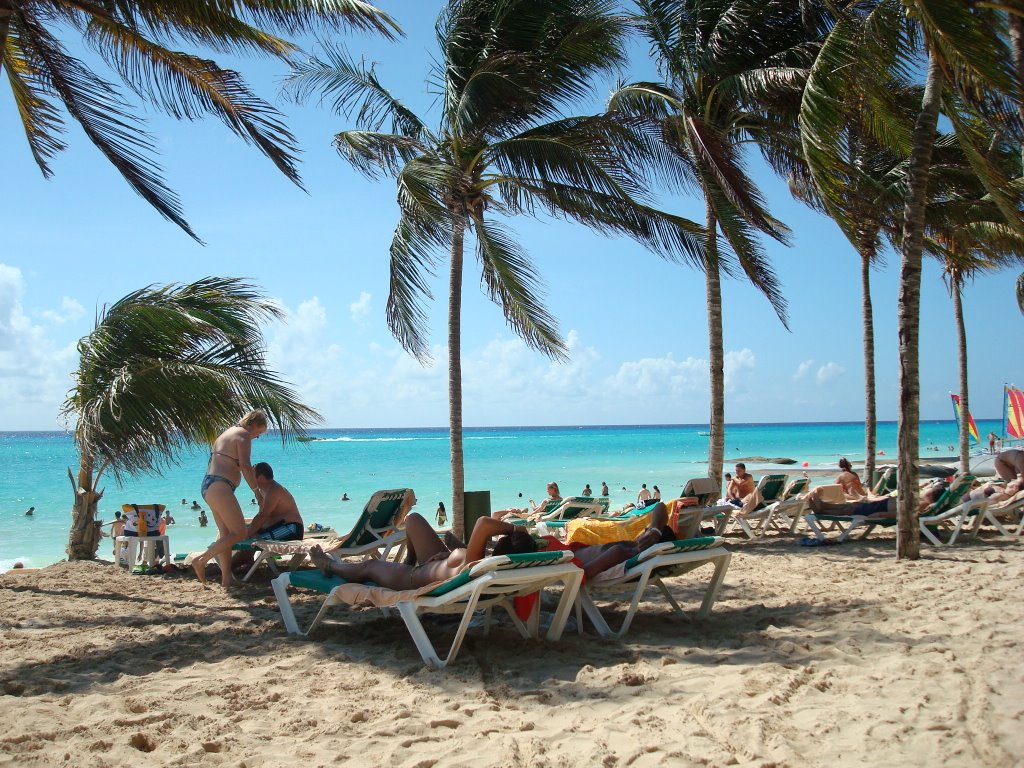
x,y
513,463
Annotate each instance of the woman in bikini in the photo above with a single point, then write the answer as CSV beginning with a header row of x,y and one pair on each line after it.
x,y
229,463
850,481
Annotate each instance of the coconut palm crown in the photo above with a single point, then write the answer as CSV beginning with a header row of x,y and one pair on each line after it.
x,y
507,73
138,41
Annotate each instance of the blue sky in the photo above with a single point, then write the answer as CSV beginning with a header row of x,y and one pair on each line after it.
x,y
636,325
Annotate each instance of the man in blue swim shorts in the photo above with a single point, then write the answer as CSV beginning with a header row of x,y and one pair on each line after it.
x,y
278,518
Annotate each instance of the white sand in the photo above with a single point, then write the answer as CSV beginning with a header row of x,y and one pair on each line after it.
x,y
835,656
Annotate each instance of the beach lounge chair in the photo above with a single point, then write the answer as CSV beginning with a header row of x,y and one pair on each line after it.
x,y
706,491
650,568
933,524
755,512
948,502
375,534
785,513
491,582
995,514
885,482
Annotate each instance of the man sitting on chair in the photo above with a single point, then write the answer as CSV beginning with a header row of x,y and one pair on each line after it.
x,y
278,518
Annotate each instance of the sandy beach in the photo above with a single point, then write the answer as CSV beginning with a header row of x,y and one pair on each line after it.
x,y
837,656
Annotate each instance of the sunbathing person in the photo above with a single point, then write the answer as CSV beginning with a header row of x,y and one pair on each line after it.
x,y
534,511
884,507
994,491
428,559
850,480
738,491
597,558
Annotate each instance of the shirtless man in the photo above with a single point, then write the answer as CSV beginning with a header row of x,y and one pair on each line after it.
x,y
740,486
278,518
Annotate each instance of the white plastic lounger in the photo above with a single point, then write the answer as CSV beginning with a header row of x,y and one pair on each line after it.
x,y
649,568
491,582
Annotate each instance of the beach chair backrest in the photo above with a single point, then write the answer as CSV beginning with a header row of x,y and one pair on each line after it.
x,y
771,487
833,494
679,545
704,488
796,487
383,512
572,507
951,496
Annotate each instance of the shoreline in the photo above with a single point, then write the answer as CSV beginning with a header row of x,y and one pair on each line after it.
x,y
839,657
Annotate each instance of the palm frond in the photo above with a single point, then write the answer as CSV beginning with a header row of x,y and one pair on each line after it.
x,y
354,88
105,118
186,86
167,366
513,285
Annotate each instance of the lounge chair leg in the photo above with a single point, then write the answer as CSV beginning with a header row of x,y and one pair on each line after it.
x,y
280,586
721,566
566,603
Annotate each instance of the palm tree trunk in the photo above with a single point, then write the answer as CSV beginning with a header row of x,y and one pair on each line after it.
x,y
84,536
908,541
867,313
455,374
716,355
956,285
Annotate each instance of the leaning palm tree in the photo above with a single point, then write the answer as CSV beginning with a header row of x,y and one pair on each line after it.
x,y
135,39
732,71
962,48
508,71
164,368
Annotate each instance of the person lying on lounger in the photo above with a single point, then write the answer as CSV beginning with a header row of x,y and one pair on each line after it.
x,y
994,491
428,559
534,511
884,507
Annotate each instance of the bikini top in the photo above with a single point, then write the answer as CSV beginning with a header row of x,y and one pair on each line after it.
x,y
226,456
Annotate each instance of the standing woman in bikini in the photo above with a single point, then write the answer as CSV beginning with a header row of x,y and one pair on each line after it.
x,y
229,463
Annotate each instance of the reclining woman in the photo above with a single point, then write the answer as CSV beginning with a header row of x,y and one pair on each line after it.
x,y
534,511
428,560
850,481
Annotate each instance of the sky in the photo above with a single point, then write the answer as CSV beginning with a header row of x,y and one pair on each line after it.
x,y
635,325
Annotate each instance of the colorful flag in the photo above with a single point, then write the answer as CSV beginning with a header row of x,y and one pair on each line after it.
x,y
972,428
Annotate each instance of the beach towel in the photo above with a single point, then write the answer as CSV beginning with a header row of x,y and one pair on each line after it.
x,y
598,531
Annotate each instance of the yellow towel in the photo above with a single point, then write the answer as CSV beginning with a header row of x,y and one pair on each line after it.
x,y
593,530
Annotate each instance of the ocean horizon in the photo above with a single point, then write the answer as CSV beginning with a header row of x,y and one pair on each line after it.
x,y
513,463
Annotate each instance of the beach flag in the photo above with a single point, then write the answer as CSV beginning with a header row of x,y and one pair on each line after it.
x,y
972,428
1013,419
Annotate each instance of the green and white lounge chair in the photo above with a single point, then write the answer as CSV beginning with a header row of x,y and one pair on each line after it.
x,y
752,522
706,491
491,582
785,513
998,513
375,534
650,568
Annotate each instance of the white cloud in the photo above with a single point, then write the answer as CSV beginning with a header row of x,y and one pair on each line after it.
x,y
35,371
70,310
738,367
359,310
803,369
829,372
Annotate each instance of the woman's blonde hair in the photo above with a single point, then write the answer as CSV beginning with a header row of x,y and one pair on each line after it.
x,y
253,419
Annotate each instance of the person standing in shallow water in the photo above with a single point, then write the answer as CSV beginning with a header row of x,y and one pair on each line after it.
x,y
230,461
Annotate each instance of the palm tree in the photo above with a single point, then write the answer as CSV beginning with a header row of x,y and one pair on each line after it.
x,y
967,56
134,39
969,234
507,70
731,69
1020,292
164,368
